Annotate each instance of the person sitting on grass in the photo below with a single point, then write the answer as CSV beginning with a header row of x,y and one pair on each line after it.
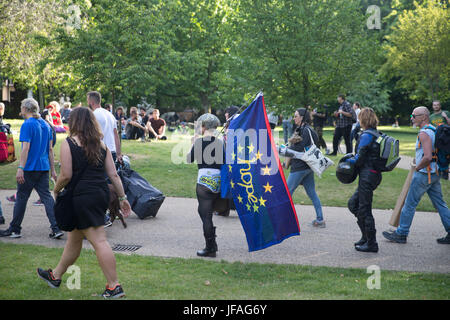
x,y
156,127
134,128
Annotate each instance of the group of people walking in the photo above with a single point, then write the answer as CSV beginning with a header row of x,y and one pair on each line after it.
x,y
93,146
366,161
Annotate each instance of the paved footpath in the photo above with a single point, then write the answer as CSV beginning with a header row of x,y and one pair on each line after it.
x,y
176,232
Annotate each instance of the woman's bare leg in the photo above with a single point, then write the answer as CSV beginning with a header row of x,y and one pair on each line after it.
x,y
105,255
70,254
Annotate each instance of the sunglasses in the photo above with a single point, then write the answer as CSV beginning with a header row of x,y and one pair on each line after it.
x,y
416,115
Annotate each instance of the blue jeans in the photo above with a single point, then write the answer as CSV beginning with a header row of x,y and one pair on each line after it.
x,y
37,180
306,178
1,212
419,185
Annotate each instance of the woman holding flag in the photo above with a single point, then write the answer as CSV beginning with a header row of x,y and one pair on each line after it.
x,y
208,152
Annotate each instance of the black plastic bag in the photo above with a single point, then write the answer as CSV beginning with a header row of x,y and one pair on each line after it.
x,y
145,200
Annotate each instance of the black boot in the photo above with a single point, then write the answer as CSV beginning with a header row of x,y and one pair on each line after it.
x,y
211,245
363,234
371,244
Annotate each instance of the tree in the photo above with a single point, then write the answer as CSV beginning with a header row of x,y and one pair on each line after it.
x,y
21,23
302,52
417,51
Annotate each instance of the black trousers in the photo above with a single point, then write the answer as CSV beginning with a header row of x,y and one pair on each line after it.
x,y
206,200
340,132
135,133
322,143
360,203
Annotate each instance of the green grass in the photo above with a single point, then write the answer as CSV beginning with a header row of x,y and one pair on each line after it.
x,y
153,160
174,278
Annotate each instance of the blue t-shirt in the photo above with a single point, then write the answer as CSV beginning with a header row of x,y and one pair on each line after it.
x,y
38,133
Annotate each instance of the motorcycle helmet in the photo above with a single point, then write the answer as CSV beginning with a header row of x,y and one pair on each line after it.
x,y
346,171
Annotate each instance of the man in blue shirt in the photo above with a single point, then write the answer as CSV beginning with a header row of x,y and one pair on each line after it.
x,y
36,159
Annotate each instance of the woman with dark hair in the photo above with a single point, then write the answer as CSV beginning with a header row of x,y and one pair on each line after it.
x,y
304,136
84,153
365,160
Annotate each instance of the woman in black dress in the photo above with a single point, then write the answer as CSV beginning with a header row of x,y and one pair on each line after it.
x,y
84,150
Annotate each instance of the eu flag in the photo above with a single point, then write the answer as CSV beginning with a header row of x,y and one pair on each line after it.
x,y
254,177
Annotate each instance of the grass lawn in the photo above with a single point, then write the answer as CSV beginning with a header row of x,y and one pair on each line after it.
x,y
153,160
193,279
196,279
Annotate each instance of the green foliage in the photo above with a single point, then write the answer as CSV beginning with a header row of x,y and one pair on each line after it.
x,y
303,52
209,54
417,51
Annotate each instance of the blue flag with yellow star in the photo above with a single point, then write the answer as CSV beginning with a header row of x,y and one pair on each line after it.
x,y
253,176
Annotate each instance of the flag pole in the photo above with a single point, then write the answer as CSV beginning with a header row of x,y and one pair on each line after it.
x,y
240,109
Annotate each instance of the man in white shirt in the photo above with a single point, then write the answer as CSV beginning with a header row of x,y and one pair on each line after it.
x,y
107,123
108,126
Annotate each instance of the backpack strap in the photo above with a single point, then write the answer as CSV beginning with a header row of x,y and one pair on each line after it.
x,y
433,153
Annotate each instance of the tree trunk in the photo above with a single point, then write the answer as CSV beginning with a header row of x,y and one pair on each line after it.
x,y
205,102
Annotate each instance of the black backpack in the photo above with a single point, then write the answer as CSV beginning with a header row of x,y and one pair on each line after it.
x,y
442,147
389,150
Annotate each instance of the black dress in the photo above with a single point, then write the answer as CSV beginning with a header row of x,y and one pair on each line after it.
x,y
91,195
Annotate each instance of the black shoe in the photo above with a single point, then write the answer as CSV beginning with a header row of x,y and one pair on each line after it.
x,y
47,275
444,240
360,242
394,237
2,220
367,247
56,235
211,245
9,233
207,252
114,293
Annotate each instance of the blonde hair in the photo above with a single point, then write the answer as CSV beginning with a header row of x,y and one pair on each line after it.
x,y
367,118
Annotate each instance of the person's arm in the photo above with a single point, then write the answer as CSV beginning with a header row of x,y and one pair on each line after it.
x,y
287,163
117,184
162,130
346,113
51,159
22,162
118,146
65,172
150,128
447,118
426,144
190,157
363,147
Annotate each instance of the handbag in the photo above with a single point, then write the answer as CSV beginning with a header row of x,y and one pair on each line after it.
x,y
63,208
315,159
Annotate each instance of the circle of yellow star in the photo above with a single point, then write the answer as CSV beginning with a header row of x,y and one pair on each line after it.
x,y
262,202
267,188
266,171
239,198
250,148
255,208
